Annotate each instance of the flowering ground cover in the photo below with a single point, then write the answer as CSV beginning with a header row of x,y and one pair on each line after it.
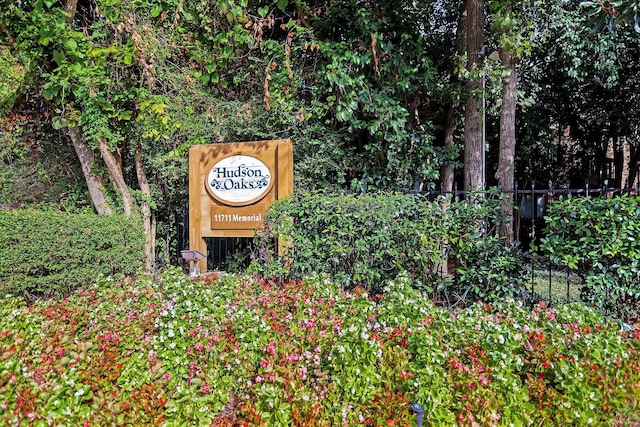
x,y
249,352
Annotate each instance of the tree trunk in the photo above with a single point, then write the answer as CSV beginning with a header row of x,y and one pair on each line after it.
x,y
634,165
145,210
85,155
473,117
447,171
507,153
115,174
70,7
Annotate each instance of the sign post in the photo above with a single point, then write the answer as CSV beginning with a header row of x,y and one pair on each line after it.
x,y
230,187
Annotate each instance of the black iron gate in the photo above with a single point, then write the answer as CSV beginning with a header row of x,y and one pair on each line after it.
x,y
228,253
223,253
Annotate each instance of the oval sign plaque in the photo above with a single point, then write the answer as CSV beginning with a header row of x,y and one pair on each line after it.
x,y
239,180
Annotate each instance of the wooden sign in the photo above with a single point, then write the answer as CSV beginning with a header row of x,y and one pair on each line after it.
x,y
231,185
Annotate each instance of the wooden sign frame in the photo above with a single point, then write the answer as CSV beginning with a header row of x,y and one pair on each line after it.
x,y
269,177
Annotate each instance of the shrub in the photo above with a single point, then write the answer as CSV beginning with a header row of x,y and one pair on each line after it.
x,y
598,239
363,239
50,252
371,238
487,266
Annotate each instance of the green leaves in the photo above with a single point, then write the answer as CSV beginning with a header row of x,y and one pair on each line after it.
x,y
78,248
262,11
156,10
597,238
177,351
612,13
369,239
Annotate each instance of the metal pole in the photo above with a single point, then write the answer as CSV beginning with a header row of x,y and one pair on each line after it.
x,y
533,236
484,131
516,212
586,187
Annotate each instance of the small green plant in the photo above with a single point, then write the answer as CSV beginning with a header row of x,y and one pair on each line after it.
x,y
598,238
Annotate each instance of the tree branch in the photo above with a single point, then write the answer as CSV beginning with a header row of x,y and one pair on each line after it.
x,y
5,30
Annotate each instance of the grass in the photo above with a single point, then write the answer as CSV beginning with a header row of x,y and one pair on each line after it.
x,y
555,286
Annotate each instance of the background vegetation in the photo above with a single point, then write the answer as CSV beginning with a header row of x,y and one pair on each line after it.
x,y
101,100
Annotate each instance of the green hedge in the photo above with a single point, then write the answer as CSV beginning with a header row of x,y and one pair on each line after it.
x,y
369,239
599,239
48,253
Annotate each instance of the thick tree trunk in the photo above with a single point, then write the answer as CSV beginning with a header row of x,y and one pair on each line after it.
x,y
473,117
85,155
115,174
145,210
507,154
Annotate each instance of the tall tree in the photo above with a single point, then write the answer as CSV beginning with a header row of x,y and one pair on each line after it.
x,y
453,90
473,121
506,24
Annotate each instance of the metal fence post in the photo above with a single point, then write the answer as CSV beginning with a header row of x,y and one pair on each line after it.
x,y
568,270
533,235
586,187
515,214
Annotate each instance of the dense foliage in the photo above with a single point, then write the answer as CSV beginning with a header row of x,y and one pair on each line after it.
x,y
370,238
370,92
598,238
52,253
238,351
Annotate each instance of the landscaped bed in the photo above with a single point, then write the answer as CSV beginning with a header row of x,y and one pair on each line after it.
x,y
249,352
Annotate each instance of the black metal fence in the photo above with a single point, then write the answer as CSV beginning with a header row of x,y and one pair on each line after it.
x,y
546,281
531,200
